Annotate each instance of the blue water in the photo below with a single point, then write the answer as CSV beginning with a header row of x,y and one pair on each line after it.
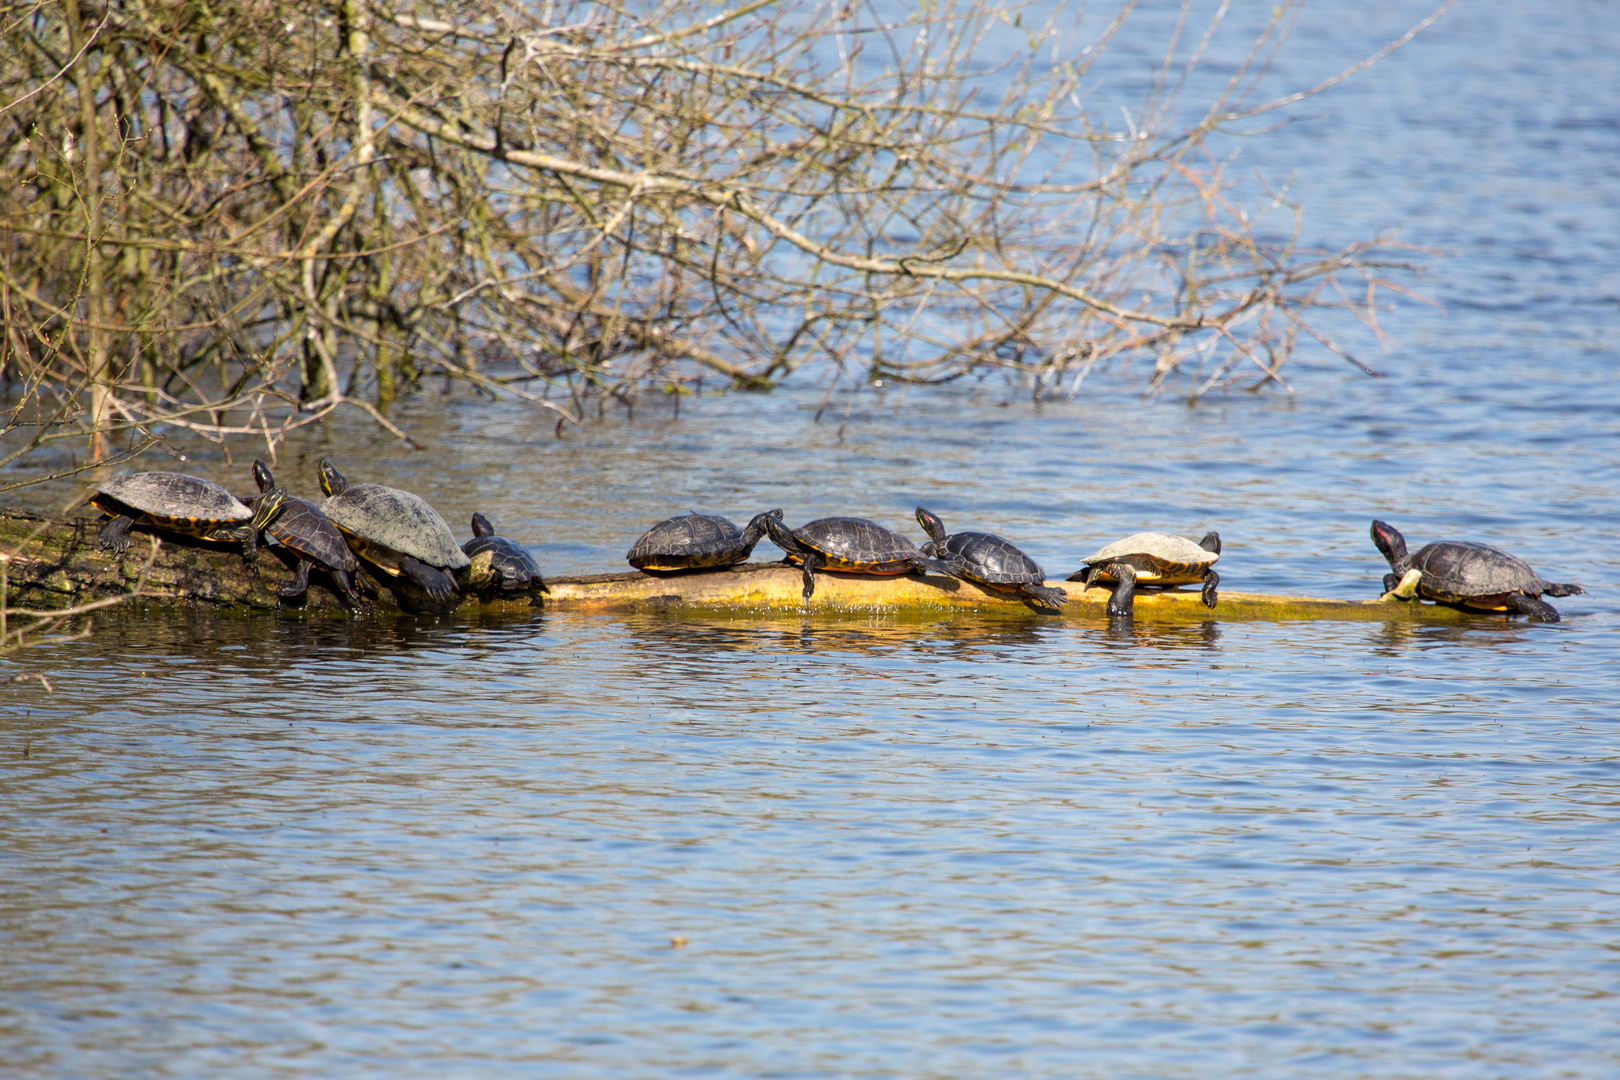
x,y
594,846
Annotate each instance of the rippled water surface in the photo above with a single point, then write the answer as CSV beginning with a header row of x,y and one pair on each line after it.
x,y
578,845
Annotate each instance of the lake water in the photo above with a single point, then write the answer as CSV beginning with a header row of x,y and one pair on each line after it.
x,y
593,846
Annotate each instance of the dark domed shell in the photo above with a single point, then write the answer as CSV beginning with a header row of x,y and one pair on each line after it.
x,y
1464,568
688,534
856,540
993,559
509,564
398,520
303,528
175,495
1158,545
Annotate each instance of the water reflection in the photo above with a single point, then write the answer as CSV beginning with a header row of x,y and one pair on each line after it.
x,y
677,635
1130,634
1481,631
263,641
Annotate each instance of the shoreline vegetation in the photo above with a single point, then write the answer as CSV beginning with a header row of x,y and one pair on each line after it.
x,y
57,573
230,222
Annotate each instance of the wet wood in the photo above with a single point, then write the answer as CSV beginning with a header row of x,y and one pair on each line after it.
x,y
55,564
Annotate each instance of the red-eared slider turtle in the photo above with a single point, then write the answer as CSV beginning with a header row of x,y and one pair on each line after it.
x,y
499,565
989,561
173,502
395,531
1152,558
693,541
301,528
851,544
1467,575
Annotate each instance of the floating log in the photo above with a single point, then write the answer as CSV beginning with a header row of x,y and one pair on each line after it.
x,y
54,564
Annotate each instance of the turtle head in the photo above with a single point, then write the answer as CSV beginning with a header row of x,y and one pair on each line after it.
x,y
931,524
261,475
1211,542
1391,544
758,527
481,526
270,506
780,534
332,481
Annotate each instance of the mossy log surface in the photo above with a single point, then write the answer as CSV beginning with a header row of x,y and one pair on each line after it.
x,y
56,564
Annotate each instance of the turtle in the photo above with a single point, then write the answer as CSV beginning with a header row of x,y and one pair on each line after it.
x,y
1465,574
299,526
1154,558
395,531
498,564
990,561
176,503
693,541
851,544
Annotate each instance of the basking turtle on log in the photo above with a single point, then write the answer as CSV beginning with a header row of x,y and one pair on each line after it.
x,y
1152,558
1465,574
173,502
853,545
695,541
301,528
496,564
395,531
990,561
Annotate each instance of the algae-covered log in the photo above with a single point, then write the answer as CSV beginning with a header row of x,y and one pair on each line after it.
x,y
56,564
773,587
53,564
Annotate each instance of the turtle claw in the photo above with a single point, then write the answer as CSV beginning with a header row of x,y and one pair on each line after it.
x,y
114,535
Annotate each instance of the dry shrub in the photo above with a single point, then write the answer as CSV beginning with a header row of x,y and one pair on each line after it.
x,y
232,219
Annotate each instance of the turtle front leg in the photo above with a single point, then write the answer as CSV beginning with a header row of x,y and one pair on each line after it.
x,y
1552,589
1122,605
363,583
250,543
435,583
808,562
246,535
1533,607
299,585
1211,580
115,534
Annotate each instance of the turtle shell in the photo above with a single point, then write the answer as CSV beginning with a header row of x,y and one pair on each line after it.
x,y
302,527
851,543
689,541
988,559
497,562
1475,575
1160,558
175,501
382,523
